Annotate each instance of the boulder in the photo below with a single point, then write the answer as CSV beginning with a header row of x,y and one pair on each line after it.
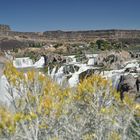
x,y
55,58
127,83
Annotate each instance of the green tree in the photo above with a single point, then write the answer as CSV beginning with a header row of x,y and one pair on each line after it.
x,y
103,45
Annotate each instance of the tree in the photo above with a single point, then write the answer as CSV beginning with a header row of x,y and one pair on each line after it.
x,y
103,44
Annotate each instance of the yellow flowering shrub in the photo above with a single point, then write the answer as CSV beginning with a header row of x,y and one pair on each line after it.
x,y
7,124
43,109
39,98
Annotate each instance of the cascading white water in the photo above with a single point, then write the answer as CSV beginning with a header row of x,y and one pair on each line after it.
x,y
91,58
22,62
57,75
52,73
114,76
91,55
91,61
60,76
132,65
40,63
27,62
74,80
72,59
49,71
115,80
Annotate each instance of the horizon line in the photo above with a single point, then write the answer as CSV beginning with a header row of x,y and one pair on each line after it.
x,y
75,30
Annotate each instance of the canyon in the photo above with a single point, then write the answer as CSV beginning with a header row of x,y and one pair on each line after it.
x,y
10,38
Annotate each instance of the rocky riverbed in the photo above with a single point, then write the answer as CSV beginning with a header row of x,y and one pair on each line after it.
x,y
119,67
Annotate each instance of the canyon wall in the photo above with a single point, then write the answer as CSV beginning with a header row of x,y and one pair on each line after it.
x,y
130,36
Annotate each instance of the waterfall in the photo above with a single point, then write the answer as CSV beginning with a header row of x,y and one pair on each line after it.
x,y
115,80
22,62
91,61
60,76
40,63
74,80
114,76
72,59
57,75
52,73
27,62
132,65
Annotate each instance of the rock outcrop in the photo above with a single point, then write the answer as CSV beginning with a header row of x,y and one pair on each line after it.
x,y
113,60
128,84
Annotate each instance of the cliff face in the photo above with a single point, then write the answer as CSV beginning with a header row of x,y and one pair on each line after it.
x,y
130,36
133,36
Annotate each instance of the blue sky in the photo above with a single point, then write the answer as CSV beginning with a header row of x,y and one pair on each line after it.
x,y
43,15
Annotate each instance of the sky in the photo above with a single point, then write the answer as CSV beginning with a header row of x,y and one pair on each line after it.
x,y
46,15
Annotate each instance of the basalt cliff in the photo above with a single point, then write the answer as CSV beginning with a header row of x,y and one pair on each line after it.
x,y
10,38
